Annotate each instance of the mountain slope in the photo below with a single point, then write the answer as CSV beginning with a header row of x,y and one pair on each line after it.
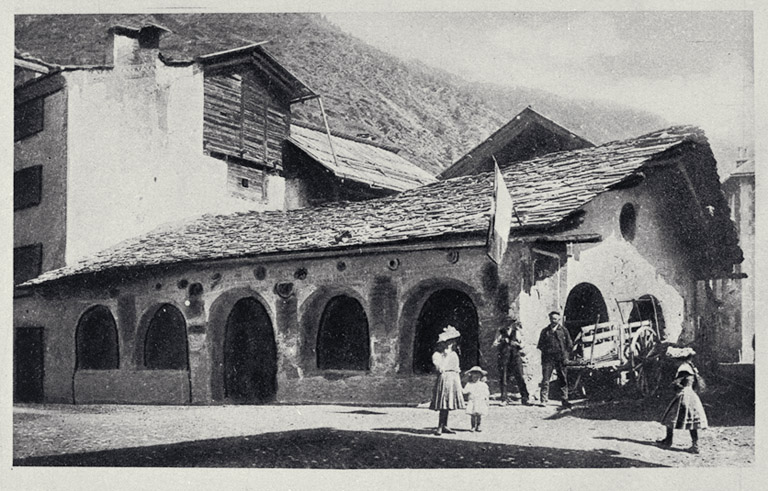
x,y
434,116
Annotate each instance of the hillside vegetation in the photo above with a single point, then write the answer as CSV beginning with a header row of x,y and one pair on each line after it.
x,y
433,116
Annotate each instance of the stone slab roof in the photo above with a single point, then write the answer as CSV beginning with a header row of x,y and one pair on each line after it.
x,y
545,191
358,161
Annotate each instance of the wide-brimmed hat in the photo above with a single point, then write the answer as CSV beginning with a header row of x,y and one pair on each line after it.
x,y
673,352
476,369
448,333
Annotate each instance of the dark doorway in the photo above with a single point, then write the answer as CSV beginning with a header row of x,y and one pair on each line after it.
x,y
342,339
165,347
648,308
96,340
585,306
28,364
250,354
443,308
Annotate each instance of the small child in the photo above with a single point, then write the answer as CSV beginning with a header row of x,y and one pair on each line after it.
x,y
479,395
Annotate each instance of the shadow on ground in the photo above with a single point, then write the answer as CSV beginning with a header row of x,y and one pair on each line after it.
x,y
721,410
326,448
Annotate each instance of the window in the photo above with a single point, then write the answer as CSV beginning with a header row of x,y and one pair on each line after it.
x,y
244,183
28,118
628,221
27,262
27,187
96,340
165,346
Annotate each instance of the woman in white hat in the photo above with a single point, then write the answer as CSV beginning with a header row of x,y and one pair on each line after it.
x,y
447,394
685,411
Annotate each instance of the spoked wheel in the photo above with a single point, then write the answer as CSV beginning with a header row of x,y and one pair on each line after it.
x,y
644,361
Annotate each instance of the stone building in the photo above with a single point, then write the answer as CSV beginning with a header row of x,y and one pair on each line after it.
x,y
107,152
343,302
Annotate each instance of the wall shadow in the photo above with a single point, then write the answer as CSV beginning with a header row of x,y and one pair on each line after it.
x,y
720,412
326,448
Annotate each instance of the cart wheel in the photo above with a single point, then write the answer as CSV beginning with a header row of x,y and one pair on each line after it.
x,y
645,366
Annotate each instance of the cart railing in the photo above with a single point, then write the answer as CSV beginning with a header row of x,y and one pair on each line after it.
x,y
607,343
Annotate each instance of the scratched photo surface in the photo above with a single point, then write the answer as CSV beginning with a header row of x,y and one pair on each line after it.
x,y
373,240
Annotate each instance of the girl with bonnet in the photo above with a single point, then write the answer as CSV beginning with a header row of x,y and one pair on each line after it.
x,y
447,394
479,395
685,411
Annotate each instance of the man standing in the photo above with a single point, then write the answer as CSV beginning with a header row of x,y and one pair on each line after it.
x,y
509,344
555,345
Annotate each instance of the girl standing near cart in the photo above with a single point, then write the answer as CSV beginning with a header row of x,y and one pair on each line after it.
x,y
447,394
685,411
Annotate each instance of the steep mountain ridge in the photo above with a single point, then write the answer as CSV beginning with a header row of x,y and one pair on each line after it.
x,y
435,117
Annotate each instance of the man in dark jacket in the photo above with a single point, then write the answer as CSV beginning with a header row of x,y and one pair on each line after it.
x,y
510,359
555,344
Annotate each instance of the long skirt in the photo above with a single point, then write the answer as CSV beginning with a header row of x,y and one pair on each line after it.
x,y
447,392
685,412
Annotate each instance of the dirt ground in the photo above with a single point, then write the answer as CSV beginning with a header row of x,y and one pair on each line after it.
x,y
592,435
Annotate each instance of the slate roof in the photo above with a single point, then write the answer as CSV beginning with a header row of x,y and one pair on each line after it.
x,y
506,135
358,161
545,191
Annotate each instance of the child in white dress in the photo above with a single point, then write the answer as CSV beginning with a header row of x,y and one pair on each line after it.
x,y
479,395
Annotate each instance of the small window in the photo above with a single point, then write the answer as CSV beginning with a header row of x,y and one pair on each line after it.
x,y
27,187
628,221
244,183
27,262
28,118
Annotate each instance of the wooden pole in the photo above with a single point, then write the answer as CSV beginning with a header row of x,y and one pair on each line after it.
x,y
327,131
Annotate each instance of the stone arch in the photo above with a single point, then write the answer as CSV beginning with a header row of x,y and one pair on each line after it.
x,y
310,313
165,345
217,321
343,337
415,300
96,340
139,352
648,307
585,305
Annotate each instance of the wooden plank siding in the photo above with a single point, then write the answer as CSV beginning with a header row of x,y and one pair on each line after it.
x,y
244,117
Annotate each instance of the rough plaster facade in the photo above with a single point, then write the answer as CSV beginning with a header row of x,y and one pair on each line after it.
x,y
46,223
136,155
392,286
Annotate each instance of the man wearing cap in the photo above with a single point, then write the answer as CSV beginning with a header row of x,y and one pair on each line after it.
x,y
555,344
510,359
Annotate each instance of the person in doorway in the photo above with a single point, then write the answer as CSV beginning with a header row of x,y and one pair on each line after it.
x,y
685,411
447,394
555,344
510,360
478,396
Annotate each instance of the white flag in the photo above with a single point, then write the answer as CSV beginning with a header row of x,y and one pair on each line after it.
x,y
501,217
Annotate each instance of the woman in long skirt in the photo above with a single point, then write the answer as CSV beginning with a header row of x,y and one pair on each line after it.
x,y
447,394
685,411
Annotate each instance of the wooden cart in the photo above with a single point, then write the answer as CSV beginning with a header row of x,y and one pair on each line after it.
x,y
630,351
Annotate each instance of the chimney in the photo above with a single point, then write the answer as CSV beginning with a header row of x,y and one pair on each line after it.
x,y
132,46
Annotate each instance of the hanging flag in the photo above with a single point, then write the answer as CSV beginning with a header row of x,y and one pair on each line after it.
x,y
501,217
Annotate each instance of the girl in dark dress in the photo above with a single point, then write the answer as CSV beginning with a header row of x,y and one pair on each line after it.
x,y
685,411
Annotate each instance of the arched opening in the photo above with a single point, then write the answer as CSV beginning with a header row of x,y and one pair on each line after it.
x,y
584,306
165,344
96,340
648,308
250,354
442,308
343,341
